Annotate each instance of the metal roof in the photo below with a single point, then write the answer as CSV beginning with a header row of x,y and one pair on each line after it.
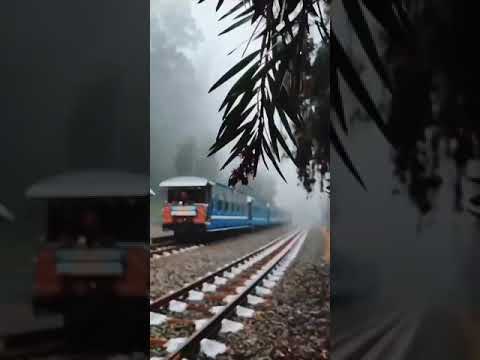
x,y
186,181
90,183
5,214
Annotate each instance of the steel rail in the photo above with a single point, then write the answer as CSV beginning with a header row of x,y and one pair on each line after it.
x,y
192,345
163,301
358,344
33,343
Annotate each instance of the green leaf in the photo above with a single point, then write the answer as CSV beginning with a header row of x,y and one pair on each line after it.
x,y
384,13
237,24
272,159
236,119
272,128
286,125
336,99
339,148
219,5
243,84
235,69
359,23
341,60
285,147
232,10
242,142
245,12
227,137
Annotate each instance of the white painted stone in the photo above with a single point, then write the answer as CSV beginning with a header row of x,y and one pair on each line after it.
x,y
206,287
236,270
175,344
273,277
244,312
220,280
157,319
195,295
255,300
261,291
228,299
228,274
268,284
212,348
177,306
216,309
229,326
200,323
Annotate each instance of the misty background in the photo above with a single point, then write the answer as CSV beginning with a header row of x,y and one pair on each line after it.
x,y
415,263
187,58
74,96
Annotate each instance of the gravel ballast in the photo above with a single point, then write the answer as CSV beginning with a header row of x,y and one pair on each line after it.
x,y
296,324
174,271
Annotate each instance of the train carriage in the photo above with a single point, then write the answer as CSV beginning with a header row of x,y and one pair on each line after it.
x,y
95,253
197,205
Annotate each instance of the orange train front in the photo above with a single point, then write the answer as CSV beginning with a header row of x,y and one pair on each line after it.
x,y
96,243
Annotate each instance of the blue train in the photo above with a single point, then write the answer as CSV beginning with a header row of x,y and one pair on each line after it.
x,y
199,205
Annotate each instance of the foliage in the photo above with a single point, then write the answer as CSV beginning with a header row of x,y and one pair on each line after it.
x,y
392,15
266,99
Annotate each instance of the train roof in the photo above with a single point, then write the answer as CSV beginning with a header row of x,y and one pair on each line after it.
x,y
186,181
90,183
5,214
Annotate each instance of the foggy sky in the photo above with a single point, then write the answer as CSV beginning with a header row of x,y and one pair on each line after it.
x,y
375,227
204,54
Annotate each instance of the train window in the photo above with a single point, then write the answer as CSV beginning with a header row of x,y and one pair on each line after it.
x,y
103,221
187,195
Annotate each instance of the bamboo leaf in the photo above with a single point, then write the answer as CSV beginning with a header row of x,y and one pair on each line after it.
x,y
235,69
272,159
232,10
359,23
339,148
341,60
237,24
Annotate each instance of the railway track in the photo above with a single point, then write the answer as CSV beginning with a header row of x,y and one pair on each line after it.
x,y
185,323
389,338
32,344
169,247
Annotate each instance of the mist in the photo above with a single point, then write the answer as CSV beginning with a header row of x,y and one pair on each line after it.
x,y
417,260
74,98
187,58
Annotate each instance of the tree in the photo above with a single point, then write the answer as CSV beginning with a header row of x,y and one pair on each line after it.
x,y
268,96
313,150
184,160
432,75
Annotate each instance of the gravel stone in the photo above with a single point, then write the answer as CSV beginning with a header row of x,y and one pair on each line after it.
x,y
173,272
297,323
